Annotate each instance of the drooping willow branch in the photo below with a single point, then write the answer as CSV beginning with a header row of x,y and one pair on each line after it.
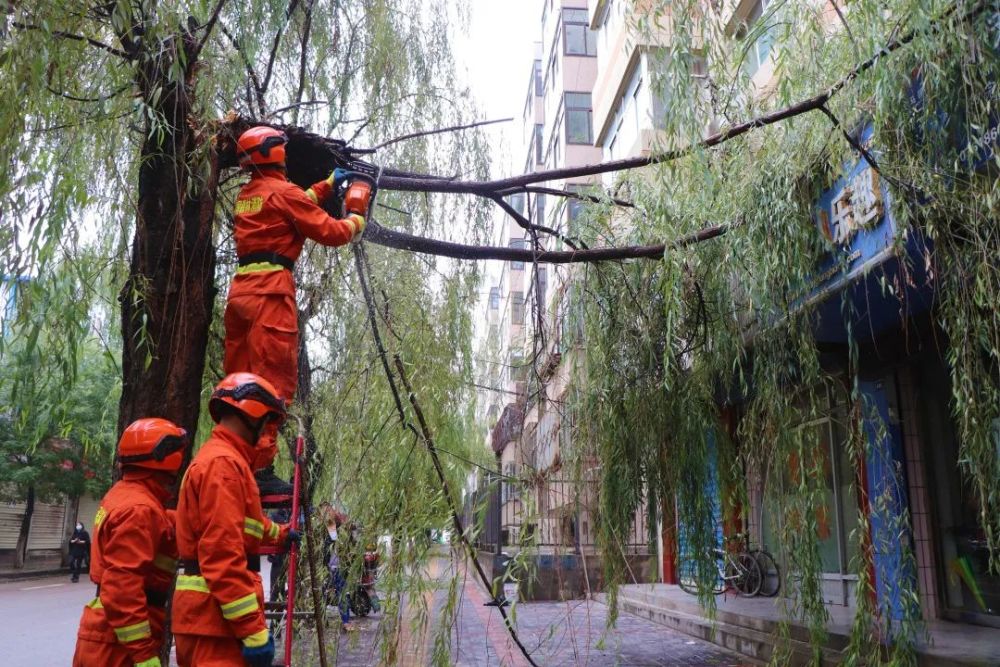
x,y
318,155
424,434
518,183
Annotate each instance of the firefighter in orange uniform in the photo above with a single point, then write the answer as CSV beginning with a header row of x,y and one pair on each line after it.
x,y
218,605
133,552
272,218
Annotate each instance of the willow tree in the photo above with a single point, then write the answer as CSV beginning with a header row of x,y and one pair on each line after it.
x,y
109,117
670,343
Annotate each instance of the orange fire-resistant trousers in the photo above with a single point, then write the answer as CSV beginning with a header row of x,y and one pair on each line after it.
x,y
262,337
198,651
100,654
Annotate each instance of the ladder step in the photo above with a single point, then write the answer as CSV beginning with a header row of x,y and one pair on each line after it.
x,y
277,615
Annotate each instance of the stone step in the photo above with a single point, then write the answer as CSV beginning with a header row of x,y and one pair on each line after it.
x,y
756,637
688,604
756,645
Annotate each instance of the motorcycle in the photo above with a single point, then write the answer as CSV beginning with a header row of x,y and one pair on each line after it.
x,y
364,600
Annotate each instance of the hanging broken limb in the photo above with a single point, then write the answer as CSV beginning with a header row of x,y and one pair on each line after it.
x,y
312,157
424,434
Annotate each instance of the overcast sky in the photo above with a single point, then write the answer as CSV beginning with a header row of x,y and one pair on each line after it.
x,y
496,54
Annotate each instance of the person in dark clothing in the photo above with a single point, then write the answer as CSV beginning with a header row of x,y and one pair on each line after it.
x,y
79,551
277,561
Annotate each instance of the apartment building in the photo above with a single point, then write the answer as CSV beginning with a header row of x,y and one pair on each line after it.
x,y
537,345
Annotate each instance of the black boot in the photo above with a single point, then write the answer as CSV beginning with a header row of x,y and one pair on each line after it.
x,y
274,491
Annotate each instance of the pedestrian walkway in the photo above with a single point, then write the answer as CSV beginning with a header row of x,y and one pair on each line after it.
x,y
748,625
557,634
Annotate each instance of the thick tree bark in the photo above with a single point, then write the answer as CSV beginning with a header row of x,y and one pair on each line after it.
x,y
168,297
21,550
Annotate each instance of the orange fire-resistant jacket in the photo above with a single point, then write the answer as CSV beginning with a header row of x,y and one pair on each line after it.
x,y
275,215
133,559
262,331
220,522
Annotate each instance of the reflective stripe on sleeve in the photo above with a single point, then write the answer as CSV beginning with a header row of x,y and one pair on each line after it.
x,y
165,563
240,607
131,633
95,604
253,527
192,582
273,531
312,195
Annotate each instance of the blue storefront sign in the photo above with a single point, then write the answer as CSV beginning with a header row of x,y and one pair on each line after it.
x,y
873,264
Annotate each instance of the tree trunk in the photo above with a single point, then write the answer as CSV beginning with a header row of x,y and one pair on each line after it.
x,y
21,551
167,299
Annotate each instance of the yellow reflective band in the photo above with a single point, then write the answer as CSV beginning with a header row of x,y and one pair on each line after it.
x,y
256,639
253,527
95,604
192,582
131,633
312,195
102,514
274,531
240,607
248,206
259,267
165,563
152,662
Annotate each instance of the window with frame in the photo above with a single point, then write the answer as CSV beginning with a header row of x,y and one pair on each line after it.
x,y
753,28
538,142
539,210
517,306
517,244
494,298
539,88
574,209
541,284
578,115
578,38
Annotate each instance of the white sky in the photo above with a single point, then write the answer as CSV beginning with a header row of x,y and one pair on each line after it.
x,y
496,55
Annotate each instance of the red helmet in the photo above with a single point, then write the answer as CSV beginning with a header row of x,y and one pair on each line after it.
x,y
261,146
250,394
154,443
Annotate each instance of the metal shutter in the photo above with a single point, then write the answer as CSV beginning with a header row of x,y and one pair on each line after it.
x,y
86,512
10,523
48,526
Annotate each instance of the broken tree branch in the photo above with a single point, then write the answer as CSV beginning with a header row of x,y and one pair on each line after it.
x,y
426,436
814,103
391,238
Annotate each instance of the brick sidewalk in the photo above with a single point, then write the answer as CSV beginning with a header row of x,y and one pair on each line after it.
x,y
556,633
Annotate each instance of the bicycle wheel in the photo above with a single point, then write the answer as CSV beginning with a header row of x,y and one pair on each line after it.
x,y
770,575
687,578
743,573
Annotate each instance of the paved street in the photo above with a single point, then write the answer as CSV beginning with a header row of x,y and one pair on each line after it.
x,y
39,619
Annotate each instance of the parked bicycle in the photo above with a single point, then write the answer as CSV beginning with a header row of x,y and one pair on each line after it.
x,y
750,572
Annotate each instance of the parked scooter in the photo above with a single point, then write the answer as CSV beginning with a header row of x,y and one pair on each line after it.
x,y
364,599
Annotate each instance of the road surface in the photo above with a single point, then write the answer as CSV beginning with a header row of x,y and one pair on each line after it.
x,y
39,621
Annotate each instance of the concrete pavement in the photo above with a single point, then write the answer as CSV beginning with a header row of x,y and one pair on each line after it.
x,y
39,618
39,621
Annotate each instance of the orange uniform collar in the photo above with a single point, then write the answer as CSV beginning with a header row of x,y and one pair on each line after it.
x,y
226,436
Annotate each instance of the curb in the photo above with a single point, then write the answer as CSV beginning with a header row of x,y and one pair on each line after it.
x,y
22,575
